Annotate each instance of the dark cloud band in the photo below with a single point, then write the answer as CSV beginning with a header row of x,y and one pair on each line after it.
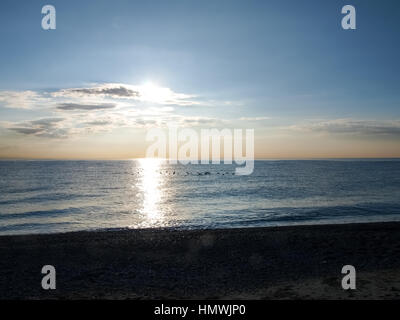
x,y
88,107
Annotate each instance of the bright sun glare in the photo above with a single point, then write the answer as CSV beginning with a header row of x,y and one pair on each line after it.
x,y
153,93
150,185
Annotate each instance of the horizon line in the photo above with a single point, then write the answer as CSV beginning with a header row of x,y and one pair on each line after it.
x,y
221,159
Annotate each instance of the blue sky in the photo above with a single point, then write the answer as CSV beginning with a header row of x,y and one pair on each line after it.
x,y
287,65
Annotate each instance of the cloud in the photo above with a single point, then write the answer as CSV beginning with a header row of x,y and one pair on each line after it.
x,y
77,106
46,122
27,130
199,121
353,127
145,122
254,118
98,123
141,93
76,126
111,90
99,108
44,127
22,99
99,97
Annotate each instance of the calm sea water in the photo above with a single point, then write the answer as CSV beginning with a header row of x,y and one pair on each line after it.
x,y
60,196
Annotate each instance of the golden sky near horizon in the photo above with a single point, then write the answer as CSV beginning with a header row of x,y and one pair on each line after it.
x,y
132,144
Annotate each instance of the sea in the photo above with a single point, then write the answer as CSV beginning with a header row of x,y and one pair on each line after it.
x,y
63,196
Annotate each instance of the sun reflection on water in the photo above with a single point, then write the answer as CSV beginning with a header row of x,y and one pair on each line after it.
x,y
150,187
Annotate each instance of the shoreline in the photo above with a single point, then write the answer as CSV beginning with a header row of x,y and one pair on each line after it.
x,y
321,223
282,262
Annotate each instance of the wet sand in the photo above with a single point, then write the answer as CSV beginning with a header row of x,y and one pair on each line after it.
x,y
299,262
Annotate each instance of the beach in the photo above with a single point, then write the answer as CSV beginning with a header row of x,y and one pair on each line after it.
x,y
290,262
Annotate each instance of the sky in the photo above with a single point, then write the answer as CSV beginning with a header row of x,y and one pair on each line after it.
x,y
112,70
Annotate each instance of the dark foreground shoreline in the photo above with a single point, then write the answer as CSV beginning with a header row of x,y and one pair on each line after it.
x,y
297,262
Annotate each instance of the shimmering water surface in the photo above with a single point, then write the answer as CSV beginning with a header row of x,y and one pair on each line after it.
x,y
60,196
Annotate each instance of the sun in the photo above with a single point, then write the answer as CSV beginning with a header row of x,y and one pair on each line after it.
x,y
154,93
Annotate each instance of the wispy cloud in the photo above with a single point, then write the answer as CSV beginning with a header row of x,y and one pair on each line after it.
x,y
199,121
254,118
78,125
45,127
26,130
353,127
99,108
114,91
144,93
77,106
22,99
100,94
98,123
